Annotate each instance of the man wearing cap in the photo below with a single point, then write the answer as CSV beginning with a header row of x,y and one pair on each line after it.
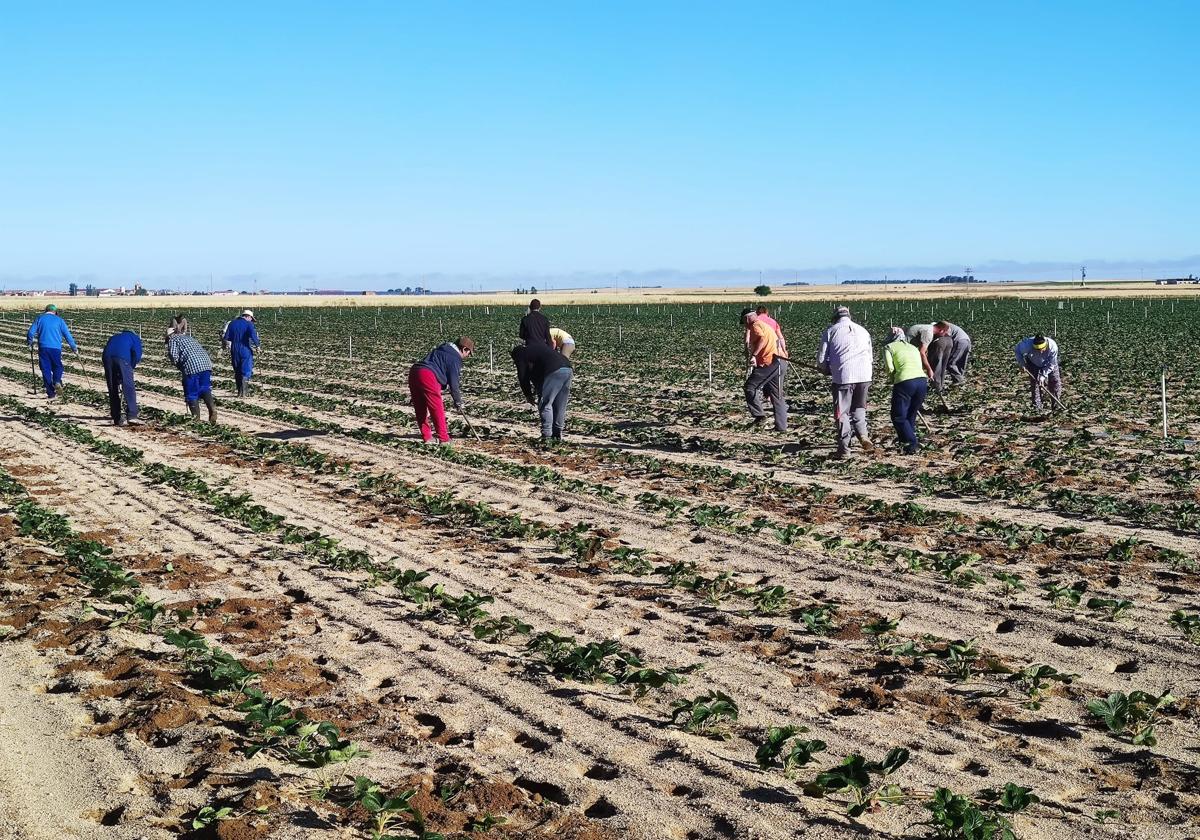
x,y
194,364
1038,356
243,342
909,386
845,355
121,355
49,330
763,375
535,327
960,350
442,368
546,373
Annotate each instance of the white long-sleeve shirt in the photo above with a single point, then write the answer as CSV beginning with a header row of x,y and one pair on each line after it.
x,y
1038,360
846,350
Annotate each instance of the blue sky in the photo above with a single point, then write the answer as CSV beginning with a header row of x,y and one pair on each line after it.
x,y
316,142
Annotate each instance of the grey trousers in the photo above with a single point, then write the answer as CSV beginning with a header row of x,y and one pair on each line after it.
x,y
1053,385
940,351
767,380
850,410
552,402
956,365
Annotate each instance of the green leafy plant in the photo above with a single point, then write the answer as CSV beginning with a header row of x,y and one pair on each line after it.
x,y
1133,715
708,714
865,781
772,753
1036,680
1112,608
1188,624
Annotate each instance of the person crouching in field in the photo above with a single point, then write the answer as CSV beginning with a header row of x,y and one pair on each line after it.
x,y
442,368
1038,357
563,342
195,366
121,355
909,386
546,372
763,371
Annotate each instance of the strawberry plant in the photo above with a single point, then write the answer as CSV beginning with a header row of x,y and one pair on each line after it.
x,y
1064,594
1133,715
771,752
709,714
957,817
865,781
1188,624
882,632
1036,680
1111,608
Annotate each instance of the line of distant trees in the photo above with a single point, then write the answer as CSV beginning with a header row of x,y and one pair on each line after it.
x,y
949,278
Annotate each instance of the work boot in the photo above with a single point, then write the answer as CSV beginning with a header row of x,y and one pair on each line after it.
x,y
757,422
212,408
867,446
194,408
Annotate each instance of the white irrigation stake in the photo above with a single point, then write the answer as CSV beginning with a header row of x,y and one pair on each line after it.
x,y
491,356
1164,400
709,367
620,334
351,348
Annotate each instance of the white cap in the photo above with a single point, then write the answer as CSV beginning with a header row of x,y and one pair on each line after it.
x,y
246,313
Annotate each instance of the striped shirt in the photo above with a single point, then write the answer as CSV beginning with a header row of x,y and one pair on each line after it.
x,y
185,353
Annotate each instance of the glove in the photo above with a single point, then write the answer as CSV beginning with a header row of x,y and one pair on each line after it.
x,y
458,406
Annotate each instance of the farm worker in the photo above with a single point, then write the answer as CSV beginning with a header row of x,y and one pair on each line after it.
x,y
181,326
546,372
764,315
243,341
442,368
845,355
121,355
909,386
49,330
195,366
960,350
935,351
1038,356
563,342
535,327
763,372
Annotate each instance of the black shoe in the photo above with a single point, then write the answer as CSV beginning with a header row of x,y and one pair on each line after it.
x,y
757,423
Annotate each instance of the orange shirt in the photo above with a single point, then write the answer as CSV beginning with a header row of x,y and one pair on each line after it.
x,y
760,333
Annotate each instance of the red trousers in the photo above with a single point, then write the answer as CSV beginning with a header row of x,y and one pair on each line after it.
x,y
426,394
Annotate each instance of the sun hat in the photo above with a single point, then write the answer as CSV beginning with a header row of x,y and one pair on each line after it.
x,y
841,312
247,313
1040,343
897,332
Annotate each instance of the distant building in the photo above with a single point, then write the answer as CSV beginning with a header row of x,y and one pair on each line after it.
x,y
1178,281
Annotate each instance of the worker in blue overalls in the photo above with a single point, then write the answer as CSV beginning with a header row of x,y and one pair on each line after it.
x,y
49,330
243,341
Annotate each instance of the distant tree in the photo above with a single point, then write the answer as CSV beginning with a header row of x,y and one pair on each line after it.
x,y
74,290
762,291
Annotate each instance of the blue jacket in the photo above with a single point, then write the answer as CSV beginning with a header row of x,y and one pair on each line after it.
x,y
242,335
124,345
49,330
446,363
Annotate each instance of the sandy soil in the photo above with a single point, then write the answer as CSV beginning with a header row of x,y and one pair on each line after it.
x,y
560,759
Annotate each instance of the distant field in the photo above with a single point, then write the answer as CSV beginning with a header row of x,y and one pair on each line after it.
x,y
595,642
1114,289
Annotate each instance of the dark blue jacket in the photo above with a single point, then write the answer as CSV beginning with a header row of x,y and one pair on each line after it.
x,y
446,363
123,345
242,335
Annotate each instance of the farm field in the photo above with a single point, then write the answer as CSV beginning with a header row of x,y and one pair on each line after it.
x,y
304,623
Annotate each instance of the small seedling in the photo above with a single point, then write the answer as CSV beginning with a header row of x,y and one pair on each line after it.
x,y
709,714
771,751
855,773
1036,680
1188,624
1064,594
1112,608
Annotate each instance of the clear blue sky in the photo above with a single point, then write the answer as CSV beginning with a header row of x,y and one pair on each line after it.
x,y
341,139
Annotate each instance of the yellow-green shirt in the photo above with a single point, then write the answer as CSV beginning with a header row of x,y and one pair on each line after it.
x,y
903,362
